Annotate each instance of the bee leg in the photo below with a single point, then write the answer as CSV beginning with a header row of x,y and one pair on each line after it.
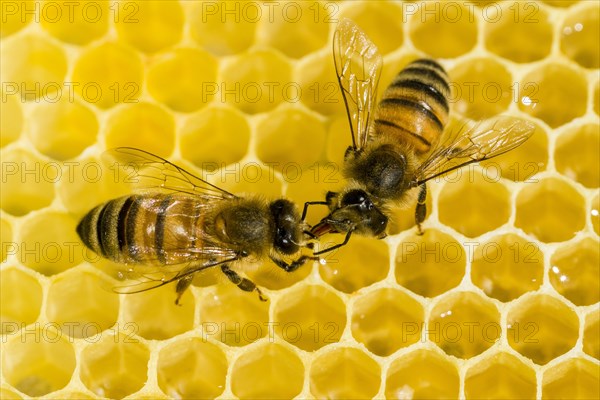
x,y
311,203
243,283
294,265
336,246
182,286
421,210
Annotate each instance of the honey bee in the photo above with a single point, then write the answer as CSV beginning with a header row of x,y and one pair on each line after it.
x,y
401,144
180,224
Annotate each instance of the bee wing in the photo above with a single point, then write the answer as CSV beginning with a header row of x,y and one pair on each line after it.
x,y
358,67
155,278
481,142
149,171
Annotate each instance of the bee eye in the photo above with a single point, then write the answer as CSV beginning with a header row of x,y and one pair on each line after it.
x,y
354,197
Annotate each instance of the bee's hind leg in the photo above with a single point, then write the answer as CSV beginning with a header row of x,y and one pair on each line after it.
x,y
243,283
421,210
182,285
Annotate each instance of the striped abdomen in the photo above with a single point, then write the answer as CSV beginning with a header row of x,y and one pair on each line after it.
x,y
146,229
414,108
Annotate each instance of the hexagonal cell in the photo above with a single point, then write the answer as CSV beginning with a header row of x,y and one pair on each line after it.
x,y
561,3
28,182
579,36
156,315
595,214
591,334
508,266
317,80
297,30
500,376
575,272
97,308
506,24
431,264
62,129
309,317
6,393
466,199
192,368
386,320
10,128
577,156
33,66
597,98
338,139
206,24
39,361
115,366
14,19
165,17
267,371
574,379
6,240
74,23
256,81
232,316
464,324
248,178
108,74
184,79
482,88
422,374
344,373
90,181
452,24
301,144
551,210
143,125
353,267
215,137
20,299
542,91
522,163
379,20
532,324
70,394
49,243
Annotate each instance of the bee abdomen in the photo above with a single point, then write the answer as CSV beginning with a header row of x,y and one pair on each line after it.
x,y
103,229
144,229
414,108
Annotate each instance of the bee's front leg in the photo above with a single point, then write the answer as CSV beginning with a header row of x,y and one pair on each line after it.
x,y
421,210
294,265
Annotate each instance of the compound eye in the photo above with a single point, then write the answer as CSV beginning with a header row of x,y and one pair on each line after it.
x,y
353,197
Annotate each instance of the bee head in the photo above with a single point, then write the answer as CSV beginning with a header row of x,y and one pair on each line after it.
x,y
287,227
356,212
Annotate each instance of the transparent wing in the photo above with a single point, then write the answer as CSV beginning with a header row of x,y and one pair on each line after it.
x,y
150,172
358,67
141,281
468,145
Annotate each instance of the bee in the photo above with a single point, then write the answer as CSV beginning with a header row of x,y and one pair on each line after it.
x,y
180,224
401,144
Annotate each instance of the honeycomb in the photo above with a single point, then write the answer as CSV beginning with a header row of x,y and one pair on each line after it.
x,y
498,299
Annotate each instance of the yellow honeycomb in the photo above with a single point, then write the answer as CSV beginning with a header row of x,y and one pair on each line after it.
x,y
498,299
